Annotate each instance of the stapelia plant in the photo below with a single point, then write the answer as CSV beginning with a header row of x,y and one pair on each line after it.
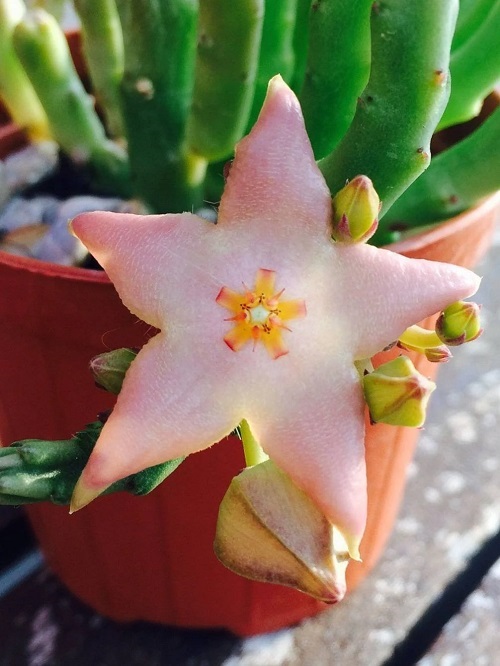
x,y
264,321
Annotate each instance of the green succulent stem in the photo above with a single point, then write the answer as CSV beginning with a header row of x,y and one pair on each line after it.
x,y
474,70
300,44
54,7
471,14
157,90
390,134
35,470
229,36
338,67
253,451
456,179
16,90
102,43
276,50
42,48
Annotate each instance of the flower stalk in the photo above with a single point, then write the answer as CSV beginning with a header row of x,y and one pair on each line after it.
x,y
254,454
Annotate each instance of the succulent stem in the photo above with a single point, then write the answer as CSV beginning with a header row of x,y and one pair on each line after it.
x,y
102,43
456,179
470,16
157,88
54,7
229,37
36,470
338,67
15,88
389,137
474,71
42,48
276,49
300,44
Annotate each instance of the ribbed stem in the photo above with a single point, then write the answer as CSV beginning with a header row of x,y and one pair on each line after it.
x,y
160,39
229,37
456,179
276,49
102,43
474,70
389,137
16,91
338,67
42,48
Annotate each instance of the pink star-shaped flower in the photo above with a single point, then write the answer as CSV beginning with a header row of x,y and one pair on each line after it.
x,y
261,317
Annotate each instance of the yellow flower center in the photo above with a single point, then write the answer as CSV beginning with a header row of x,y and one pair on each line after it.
x,y
259,315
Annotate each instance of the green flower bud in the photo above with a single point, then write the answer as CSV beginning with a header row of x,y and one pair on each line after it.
x,y
270,530
397,393
355,211
109,368
459,323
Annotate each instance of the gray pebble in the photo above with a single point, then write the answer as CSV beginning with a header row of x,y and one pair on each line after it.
x,y
59,245
29,165
20,212
4,188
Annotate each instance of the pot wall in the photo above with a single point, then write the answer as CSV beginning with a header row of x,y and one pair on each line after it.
x,y
151,558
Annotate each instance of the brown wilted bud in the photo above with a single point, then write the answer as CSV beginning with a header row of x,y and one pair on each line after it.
x,y
270,530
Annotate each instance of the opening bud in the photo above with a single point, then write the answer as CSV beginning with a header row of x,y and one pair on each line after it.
x,y
397,393
269,530
459,323
355,211
109,368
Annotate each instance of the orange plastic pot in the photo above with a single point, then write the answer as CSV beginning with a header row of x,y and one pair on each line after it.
x,y
151,558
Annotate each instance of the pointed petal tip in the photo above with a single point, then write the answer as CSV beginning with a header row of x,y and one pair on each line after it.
x,y
353,542
83,494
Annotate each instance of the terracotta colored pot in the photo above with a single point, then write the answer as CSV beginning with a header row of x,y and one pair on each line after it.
x,y
151,558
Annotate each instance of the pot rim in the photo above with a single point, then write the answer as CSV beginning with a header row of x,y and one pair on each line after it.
x,y
416,242
455,224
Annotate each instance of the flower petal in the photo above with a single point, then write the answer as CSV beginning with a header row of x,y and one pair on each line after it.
x,y
156,420
386,293
274,176
147,257
313,429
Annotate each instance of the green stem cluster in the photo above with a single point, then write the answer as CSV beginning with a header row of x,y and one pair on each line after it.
x,y
180,82
43,51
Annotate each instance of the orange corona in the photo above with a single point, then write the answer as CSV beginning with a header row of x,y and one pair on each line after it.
x,y
259,315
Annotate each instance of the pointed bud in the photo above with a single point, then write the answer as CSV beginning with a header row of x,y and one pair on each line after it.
x,y
109,368
270,530
438,354
459,323
396,393
355,211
